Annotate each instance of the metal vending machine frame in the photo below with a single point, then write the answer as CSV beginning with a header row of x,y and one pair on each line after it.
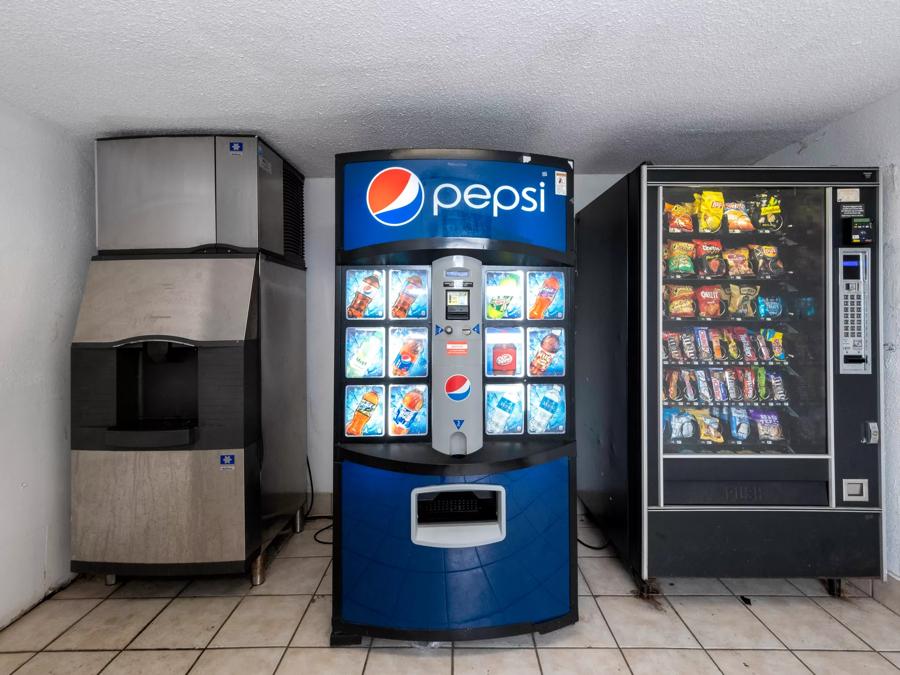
x,y
799,499
461,534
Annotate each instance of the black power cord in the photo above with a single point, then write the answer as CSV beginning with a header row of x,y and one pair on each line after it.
x,y
312,490
593,548
320,531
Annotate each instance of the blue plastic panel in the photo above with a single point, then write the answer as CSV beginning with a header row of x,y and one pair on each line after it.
x,y
388,581
399,200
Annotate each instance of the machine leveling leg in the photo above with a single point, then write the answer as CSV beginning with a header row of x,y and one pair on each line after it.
x,y
258,570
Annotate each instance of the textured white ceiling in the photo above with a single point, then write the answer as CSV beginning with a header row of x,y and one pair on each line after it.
x,y
609,83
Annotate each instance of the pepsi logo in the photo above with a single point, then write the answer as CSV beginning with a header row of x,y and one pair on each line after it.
x,y
395,196
457,387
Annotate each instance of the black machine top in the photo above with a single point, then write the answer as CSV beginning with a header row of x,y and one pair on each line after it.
x,y
405,206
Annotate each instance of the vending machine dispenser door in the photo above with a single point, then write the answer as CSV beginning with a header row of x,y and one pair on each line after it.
x,y
456,396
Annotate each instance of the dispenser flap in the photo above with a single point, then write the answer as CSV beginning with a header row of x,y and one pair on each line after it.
x,y
196,299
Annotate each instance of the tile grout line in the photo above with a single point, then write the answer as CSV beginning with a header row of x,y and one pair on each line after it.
x,y
609,628
221,626
852,632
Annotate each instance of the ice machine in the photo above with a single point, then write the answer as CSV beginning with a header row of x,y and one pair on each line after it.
x,y
189,359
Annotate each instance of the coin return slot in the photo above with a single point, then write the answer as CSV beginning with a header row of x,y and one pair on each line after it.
x,y
458,515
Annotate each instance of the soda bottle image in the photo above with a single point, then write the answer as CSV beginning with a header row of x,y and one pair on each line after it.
x,y
364,409
501,412
364,357
545,298
408,295
503,359
550,345
541,416
503,295
406,357
365,292
406,412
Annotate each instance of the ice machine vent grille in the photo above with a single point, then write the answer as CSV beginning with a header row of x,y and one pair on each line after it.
x,y
294,230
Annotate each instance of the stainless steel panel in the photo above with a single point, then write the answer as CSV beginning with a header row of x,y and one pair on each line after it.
x,y
236,192
157,507
155,192
197,299
270,172
283,348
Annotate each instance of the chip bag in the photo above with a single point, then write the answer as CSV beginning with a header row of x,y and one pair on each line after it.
x,y
742,301
680,301
708,257
680,257
775,338
738,218
768,212
766,259
710,207
769,307
768,426
738,260
679,217
709,425
740,424
711,301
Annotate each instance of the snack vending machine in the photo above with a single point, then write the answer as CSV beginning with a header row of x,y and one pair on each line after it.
x,y
736,359
454,455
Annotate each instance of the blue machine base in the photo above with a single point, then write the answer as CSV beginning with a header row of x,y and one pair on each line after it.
x,y
386,585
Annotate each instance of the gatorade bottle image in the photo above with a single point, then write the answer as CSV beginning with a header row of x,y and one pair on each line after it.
x,y
550,345
544,298
406,412
498,307
364,357
363,413
365,292
406,357
408,296
541,416
501,412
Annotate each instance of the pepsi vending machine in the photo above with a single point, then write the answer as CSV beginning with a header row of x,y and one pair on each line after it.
x,y
454,454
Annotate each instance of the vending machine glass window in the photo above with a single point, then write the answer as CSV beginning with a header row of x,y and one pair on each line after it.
x,y
742,315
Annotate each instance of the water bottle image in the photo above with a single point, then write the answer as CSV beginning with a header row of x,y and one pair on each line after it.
x,y
541,415
503,409
365,357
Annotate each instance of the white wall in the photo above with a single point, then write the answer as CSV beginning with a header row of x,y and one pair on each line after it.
x,y
46,240
319,205
870,137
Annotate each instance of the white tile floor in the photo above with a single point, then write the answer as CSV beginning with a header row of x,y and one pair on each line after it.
x,y
222,626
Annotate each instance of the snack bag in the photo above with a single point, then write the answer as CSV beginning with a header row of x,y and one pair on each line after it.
x,y
680,257
748,384
769,307
719,387
776,384
768,212
768,426
719,348
710,301
738,260
746,342
680,301
671,346
689,385
710,426
766,259
679,217
672,392
738,218
704,391
732,385
741,301
687,346
708,256
734,349
704,347
762,345
775,339
760,375
740,424
710,207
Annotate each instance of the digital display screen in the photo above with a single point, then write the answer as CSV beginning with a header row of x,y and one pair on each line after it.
x,y
851,266
457,274
457,298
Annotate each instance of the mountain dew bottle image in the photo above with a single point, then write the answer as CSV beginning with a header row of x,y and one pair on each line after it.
x,y
503,294
540,417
